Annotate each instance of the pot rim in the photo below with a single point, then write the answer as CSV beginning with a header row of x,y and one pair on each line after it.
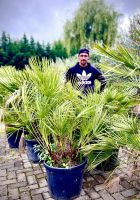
x,y
84,162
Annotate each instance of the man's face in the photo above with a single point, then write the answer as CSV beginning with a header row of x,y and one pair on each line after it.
x,y
83,59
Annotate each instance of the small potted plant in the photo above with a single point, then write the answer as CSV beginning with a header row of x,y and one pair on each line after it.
x,y
14,137
31,144
64,162
14,128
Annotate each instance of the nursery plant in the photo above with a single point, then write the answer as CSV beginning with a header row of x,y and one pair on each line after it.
x,y
49,108
67,125
121,63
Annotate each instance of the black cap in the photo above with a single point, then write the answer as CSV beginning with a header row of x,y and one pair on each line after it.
x,y
84,50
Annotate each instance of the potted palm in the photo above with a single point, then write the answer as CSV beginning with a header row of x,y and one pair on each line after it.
x,y
39,104
58,142
66,162
67,127
14,138
10,81
64,131
14,128
31,143
121,66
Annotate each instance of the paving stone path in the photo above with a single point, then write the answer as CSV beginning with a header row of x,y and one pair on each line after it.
x,y
21,179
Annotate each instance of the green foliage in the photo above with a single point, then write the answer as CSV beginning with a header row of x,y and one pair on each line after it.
x,y
134,29
93,21
121,55
59,50
67,124
121,65
17,53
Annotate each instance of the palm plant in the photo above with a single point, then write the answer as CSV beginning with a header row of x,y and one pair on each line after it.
x,y
11,81
121,64
67,124
121,55
72,127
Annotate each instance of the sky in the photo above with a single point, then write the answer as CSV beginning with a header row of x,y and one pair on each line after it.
x,y
45,19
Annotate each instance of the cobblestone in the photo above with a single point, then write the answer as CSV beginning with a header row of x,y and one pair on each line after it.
x,y
11,175
37,197
42,182
3,198
94,195
31,179
130,192
118,196
39,191
25,195
21,179
3,172
8,182
99,187
105,195
13,193
3,191
83,198
46,195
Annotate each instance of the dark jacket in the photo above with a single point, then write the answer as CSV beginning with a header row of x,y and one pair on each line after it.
x,y
82,78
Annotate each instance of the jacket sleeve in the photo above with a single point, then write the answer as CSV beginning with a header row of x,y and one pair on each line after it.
x,y
67,76
101,79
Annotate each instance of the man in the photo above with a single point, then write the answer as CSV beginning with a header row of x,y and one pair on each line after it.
x,y
83,75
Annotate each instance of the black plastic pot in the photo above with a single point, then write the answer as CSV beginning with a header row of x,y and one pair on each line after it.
x,y
32,155
65,183
14,138
111,163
